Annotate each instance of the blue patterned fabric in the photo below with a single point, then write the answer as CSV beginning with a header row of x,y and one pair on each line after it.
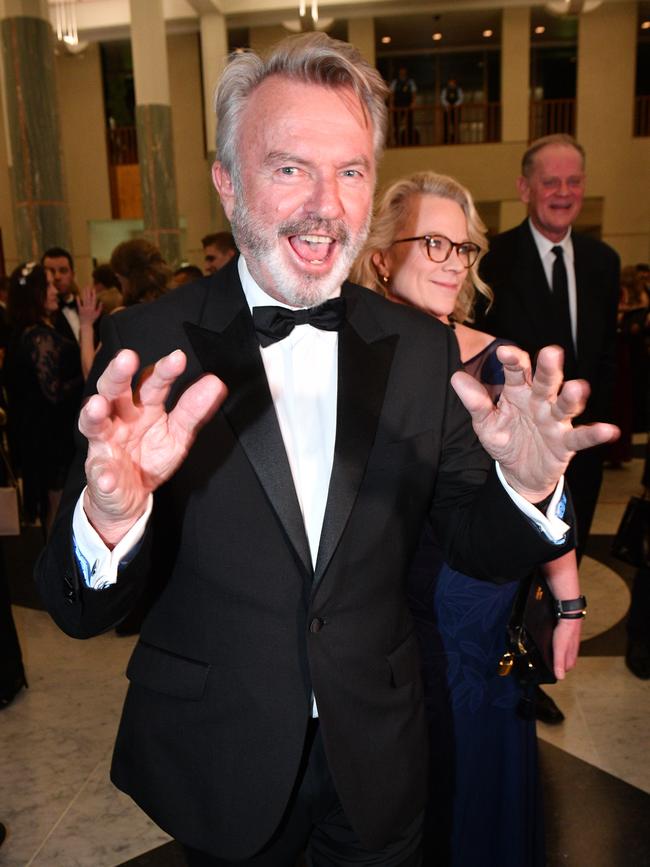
x,y
484,808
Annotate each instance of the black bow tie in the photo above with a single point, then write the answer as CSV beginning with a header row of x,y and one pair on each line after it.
x,y
70,305
276,323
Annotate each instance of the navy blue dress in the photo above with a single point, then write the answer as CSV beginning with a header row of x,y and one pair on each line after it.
x,y
484,808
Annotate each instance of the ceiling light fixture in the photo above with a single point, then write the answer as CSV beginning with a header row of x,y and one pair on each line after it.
x,y
65,21
437,37
540,29
386,40
571,7
488,33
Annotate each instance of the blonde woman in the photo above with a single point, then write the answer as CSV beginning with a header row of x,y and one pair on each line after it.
x,y
423,250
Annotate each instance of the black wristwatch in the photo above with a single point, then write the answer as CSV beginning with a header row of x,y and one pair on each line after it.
x,y
571,609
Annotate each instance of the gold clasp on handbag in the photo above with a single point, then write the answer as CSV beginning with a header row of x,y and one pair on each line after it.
x,y
505,664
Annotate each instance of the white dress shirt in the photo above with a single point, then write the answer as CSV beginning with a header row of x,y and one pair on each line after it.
x,y
544,248
302,372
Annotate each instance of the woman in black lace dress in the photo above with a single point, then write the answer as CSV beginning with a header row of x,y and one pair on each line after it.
x,y
44,383
423,250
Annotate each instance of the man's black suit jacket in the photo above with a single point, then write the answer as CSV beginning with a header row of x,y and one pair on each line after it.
x,y
244,629
522,308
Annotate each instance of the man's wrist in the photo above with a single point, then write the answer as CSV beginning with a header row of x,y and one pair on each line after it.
x,y
110,530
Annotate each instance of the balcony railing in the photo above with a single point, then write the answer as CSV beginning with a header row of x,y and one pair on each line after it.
x,y
550,116
122,146
642,116
427,125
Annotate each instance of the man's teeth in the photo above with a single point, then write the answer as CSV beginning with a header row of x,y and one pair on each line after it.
x,y
315,239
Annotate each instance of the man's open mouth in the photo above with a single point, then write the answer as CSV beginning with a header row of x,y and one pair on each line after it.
x,y
315,249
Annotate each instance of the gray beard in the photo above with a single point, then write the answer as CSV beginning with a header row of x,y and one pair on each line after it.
x,y
260,247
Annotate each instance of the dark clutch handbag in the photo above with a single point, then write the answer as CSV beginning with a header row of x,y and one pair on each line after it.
x,y
529,643
632,540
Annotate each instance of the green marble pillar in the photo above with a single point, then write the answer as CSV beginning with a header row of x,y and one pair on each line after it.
x,y
156,155
40,208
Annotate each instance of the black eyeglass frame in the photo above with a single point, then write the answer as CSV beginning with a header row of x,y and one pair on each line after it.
x,y
453,245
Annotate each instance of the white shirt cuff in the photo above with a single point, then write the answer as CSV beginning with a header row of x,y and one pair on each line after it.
x,y
551,524
98,564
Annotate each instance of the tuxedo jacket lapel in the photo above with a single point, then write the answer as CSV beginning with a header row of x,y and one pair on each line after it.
x,y
585,282
536,294
365,357
226,345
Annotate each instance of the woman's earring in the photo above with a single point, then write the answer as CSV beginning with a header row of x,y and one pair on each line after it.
x,y
385,278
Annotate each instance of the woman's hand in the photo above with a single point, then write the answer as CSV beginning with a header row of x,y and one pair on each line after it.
x,y
566,644
89,307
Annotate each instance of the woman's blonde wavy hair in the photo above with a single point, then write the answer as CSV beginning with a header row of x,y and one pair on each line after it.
x,y
391,213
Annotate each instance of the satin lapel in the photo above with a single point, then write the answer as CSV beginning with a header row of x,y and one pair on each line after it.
x,y
365,358
233,354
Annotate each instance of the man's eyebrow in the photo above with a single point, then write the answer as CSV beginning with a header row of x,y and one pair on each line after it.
x,y
288,158
284,157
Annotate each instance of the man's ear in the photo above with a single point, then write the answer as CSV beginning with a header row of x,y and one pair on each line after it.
x,y
224,185
523,189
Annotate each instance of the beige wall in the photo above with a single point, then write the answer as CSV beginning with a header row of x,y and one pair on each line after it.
x,y
193,183
85,167
618,165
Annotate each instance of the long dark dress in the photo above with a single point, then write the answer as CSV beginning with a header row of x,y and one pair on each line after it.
x,y
484,809
44,385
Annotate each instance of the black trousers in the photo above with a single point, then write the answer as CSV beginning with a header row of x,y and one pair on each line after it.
x,y
316,825
11,661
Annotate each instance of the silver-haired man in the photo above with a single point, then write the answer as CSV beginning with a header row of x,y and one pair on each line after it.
x,y
272,475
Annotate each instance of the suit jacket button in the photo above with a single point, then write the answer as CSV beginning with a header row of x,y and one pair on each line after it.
x,y
316,625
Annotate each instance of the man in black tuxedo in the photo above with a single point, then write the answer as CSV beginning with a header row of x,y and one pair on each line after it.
x,y
568,299
60,263
290,435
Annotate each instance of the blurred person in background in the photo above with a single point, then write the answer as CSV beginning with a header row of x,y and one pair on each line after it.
x,y
218,250
59,261
142,274
107,288
633,328
186,274
44,383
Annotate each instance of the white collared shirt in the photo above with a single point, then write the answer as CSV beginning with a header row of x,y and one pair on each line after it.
x,y
544,248
302,372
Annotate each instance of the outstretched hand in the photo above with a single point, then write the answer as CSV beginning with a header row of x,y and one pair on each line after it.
x,y
88,306
530,430
134,445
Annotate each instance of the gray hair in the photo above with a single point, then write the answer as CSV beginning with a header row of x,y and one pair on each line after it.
x,y
392,212
312,58
528,159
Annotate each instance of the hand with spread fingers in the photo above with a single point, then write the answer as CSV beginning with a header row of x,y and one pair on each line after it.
x,y
530,432
134,445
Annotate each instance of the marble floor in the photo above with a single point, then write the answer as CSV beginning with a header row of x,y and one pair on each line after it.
x,y
56,738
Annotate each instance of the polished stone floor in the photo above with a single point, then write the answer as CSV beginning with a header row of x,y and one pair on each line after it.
x,y
56,738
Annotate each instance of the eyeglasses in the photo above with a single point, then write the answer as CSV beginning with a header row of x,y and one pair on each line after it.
x,y
438,248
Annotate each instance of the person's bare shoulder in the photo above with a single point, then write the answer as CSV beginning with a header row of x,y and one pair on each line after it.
x,y
471,341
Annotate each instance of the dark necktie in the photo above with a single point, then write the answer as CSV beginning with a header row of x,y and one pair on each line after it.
x,y
276,323
561,305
